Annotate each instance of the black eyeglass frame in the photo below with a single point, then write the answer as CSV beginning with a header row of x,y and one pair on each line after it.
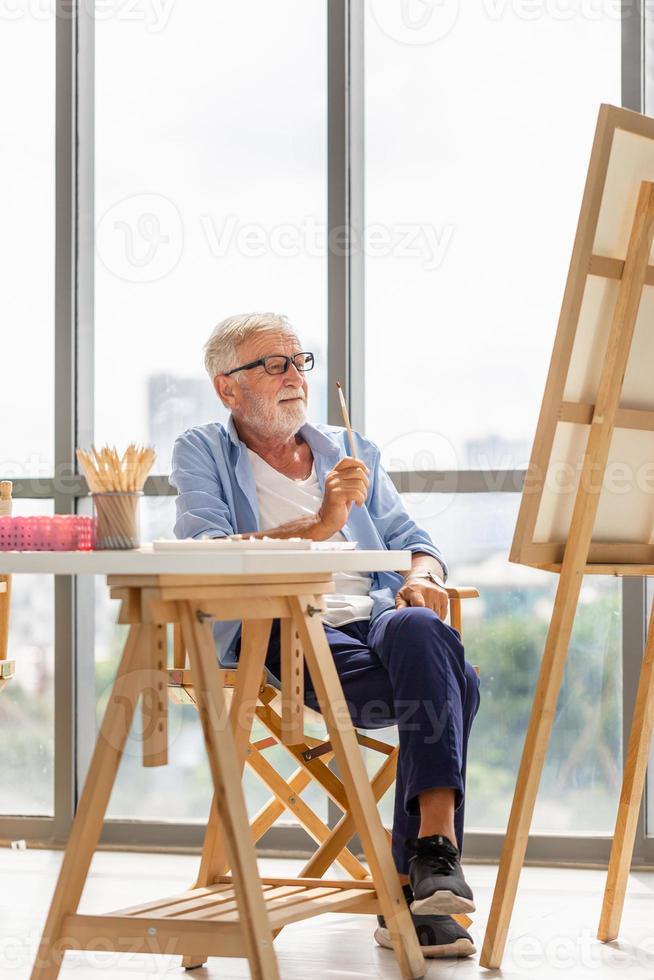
x,y
287,357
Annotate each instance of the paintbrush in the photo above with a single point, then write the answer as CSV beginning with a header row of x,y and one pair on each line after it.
x,y
346,418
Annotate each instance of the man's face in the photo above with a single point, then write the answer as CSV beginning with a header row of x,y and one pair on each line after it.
x,y
274,403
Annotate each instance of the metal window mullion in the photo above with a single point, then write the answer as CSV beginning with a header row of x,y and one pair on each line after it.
x,y
64,408
633,76
345,259
355,164
337,314
634,590
634,616
85,719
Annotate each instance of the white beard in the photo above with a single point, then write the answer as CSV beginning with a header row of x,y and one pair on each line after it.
x,y
276,420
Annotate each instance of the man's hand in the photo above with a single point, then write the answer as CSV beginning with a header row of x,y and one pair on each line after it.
x,y
346,484
422,592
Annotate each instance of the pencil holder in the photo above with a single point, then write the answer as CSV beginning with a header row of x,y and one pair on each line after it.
x,y
117,514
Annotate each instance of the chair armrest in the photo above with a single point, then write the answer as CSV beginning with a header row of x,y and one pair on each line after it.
x,y
462,592
455,594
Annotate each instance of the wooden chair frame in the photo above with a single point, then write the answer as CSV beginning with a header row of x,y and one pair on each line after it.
x,y
311,756
6,665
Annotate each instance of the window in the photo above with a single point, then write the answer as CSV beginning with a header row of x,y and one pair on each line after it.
x,y
182,789
27,67
210,172
504,635
210,201
505,631
471,209
27,701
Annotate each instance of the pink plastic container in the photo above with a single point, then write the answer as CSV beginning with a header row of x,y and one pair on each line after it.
x,y
62,532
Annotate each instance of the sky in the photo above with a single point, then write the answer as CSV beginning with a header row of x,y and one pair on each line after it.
x,y
210,199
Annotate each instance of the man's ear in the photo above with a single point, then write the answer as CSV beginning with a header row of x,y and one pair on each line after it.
x,y
224,388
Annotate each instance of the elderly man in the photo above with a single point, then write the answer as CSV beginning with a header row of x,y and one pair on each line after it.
x,y
271,472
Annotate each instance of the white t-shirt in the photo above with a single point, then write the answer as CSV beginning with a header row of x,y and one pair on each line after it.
x,y
282,499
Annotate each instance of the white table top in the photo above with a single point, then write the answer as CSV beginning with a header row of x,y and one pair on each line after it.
x,y
145,561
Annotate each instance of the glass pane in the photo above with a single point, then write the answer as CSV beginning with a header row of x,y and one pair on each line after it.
x,y
27,701
210,200
181,790
504,634
471,210
27,71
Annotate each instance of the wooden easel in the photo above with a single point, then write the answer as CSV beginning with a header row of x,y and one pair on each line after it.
x,y
221,914
575,563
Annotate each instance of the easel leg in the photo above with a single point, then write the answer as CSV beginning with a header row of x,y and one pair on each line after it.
x,y
226,771
631,795
89,818
359,792
531,767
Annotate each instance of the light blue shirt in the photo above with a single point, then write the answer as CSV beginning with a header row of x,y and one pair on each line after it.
x,y
217,495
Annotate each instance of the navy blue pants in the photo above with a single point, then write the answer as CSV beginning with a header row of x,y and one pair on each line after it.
x,y
406,668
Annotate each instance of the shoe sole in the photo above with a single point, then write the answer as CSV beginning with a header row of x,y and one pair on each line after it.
x,y
442,903
459,948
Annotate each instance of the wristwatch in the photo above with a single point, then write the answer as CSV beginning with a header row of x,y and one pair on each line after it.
x,y
429,575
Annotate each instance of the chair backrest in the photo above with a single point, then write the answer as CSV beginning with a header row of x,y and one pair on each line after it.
x,y
5,580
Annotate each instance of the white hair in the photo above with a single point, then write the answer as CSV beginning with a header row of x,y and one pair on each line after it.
x,y
221,349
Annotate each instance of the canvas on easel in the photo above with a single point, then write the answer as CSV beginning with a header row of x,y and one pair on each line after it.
x,y
588,499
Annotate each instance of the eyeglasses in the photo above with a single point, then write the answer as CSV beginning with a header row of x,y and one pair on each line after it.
x,y
278,363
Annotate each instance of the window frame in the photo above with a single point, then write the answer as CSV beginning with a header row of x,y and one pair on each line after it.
x,y
75,726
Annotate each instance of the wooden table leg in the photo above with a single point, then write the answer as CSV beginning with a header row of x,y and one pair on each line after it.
x,y
255,634
359,792
254,645
633,784
154,705
87,825
292,678
226,771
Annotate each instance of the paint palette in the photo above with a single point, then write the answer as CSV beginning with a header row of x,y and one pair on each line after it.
x,y
250,544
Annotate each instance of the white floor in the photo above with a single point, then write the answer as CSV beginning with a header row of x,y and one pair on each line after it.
x,y
553,929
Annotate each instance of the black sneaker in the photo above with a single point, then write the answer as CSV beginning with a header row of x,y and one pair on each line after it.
x,y
440,936
436,877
